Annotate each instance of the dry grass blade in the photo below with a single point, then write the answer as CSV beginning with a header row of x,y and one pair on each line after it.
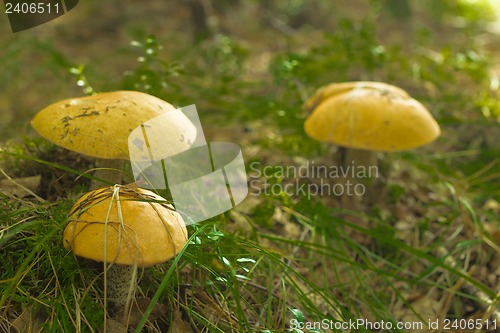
x,y
490,306
21,187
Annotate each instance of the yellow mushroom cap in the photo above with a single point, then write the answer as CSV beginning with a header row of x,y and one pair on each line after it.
x,y
370,116
139,230
99,125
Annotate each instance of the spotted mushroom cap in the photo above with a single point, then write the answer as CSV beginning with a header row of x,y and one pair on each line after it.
x,y
141,229
369,116
99,125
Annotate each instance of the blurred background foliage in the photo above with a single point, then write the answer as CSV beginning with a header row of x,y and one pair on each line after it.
x,y
222,55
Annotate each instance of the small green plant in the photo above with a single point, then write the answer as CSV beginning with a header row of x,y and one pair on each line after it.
x,y
153,74
81,79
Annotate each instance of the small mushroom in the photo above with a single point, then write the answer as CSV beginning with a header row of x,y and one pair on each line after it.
x,y
125,228
368,117
99,126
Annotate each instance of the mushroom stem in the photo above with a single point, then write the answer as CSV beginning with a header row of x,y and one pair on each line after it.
x,y
121,284
358,159
359,167
109,170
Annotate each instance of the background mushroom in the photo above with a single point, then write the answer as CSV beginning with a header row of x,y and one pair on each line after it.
x,y
367,117
99,126
126,228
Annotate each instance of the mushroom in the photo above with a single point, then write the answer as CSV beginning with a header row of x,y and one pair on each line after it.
x,y
125,228
366,117
99,126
